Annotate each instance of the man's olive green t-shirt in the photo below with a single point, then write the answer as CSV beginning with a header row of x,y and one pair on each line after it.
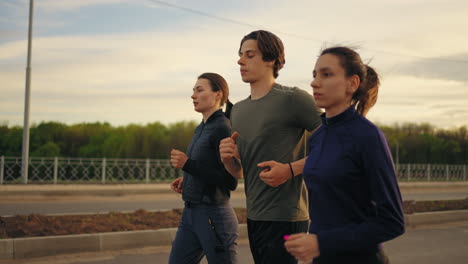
x,y
271,128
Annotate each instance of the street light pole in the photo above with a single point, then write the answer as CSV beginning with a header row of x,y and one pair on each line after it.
x,y
397,153
25,154
396,161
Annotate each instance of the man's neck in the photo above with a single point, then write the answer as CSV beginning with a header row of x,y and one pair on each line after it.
x,y
260,88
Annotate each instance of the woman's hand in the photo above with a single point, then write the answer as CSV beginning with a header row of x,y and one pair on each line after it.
x,y
304,247
178,159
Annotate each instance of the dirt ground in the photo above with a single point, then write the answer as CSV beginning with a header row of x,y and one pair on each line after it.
x,y
40,225
46,225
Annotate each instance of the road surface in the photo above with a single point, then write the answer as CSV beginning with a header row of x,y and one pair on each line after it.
x,y
428,245
130,203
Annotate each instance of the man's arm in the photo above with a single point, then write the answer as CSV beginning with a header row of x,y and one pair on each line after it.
x,y
298,166
278,173
234,167
230,156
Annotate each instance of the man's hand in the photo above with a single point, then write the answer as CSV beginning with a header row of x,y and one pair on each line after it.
x,y
304,247
178,159
228,148
230,156
276,174
176,185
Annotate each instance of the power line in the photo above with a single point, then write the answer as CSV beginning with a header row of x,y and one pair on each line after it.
x,y
237,22
232,21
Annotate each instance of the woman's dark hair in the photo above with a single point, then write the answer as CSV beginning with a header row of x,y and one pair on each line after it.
x,y
218,83
271,47
366,95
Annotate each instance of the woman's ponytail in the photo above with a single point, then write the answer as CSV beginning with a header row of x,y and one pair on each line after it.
x,y
229,106
366,96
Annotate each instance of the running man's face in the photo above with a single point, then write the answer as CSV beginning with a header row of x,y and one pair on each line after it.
x,y
204,98
332,89
252,66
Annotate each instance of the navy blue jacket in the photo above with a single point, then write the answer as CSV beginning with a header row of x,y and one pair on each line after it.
x,y
355,201
205,178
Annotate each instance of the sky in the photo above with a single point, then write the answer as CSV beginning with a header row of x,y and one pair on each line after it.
x,y
136,61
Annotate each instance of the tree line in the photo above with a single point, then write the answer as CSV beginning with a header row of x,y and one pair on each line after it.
x,y
415,143
424,143
96,140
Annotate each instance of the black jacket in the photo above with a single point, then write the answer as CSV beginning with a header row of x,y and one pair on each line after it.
x,y
205,178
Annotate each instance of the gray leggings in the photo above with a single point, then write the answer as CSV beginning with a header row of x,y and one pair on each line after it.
x,y
206,230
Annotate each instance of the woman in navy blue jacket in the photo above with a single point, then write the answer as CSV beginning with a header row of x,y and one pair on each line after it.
x,y
354,198
209,224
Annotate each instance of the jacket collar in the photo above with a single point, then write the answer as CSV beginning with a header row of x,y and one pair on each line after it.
x,y
340,118
214,115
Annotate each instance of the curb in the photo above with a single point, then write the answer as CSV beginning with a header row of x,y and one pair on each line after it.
x,y
19,248
430,218
84,189
89,189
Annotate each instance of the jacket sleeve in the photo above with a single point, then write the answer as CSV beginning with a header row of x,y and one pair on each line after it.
x,y
387,220
213,171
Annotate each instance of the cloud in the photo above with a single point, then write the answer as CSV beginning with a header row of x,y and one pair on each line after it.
x,y
404,98
69,5
11,34
451,68
121,78
137,76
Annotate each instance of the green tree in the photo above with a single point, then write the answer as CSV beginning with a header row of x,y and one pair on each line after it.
x,y
417,143
12,141
49,149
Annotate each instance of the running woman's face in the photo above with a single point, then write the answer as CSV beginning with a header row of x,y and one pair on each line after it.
x,y
332,89
252,66
204,98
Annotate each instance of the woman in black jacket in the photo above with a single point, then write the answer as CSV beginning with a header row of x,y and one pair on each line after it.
x,y
209,224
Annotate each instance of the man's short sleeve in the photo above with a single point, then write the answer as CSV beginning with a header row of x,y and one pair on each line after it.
x,y
306,111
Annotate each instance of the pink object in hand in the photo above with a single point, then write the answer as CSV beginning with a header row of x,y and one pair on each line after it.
x,y
285,237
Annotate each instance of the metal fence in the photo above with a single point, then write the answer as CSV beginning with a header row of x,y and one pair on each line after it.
x,y
87,170
431,172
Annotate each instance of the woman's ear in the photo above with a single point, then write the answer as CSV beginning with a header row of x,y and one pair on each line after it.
x,y
219,95
353,84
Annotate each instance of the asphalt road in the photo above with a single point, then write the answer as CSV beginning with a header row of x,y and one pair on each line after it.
x,y
428,245
93,204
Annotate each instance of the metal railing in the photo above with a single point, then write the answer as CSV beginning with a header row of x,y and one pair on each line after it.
x,y
88,170
102,170
431,172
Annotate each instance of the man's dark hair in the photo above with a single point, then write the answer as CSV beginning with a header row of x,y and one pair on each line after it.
x,y
271,47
